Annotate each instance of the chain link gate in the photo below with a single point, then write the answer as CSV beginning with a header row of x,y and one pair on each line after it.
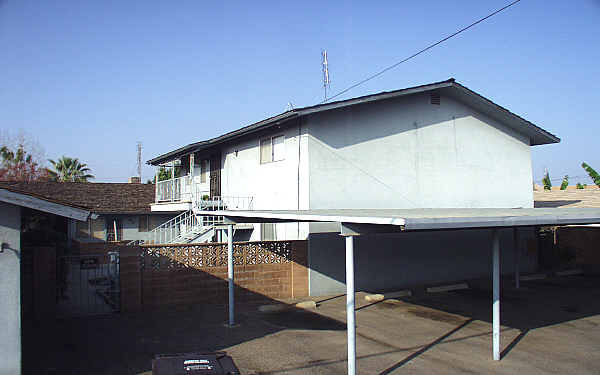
x,y
88,284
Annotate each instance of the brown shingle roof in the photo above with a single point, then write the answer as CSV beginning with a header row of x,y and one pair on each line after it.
x,y
101,198
567,198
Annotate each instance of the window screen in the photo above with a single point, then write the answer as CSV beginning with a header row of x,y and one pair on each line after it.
x,y
266,155
272,149
278,148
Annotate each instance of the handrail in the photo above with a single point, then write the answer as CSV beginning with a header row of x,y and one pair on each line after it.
x,y
175,228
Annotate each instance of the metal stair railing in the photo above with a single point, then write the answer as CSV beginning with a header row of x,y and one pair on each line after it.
x,y
175,228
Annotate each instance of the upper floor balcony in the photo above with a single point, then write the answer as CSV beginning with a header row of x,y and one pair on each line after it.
x,y
186,193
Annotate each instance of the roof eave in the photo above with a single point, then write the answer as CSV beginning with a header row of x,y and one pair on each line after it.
x,y
198,146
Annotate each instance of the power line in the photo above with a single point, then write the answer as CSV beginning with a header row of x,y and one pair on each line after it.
x,y
421,51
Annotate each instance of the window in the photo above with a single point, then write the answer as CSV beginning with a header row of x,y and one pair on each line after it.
x,y
82,229
272,149
267,232
143,223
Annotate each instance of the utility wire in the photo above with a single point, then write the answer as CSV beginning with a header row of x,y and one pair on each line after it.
x,y
420,52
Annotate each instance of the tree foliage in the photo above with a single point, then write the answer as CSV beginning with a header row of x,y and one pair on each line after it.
x,y
68,169
581,186
565,183
164,174
546,181
19,165
592,173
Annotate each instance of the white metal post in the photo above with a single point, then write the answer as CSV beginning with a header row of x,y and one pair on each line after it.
x,y
517,257
172,180
230,271
496,302
350,313
156,185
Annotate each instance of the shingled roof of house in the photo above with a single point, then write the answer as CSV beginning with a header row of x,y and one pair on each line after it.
x,y
567,198
100,198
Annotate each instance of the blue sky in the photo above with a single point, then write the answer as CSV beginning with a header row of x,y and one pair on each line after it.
x,y
89,79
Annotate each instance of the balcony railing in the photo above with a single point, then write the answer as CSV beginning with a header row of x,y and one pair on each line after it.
x,y
174,190
217,203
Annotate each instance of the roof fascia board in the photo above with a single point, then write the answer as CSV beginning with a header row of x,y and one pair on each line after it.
x,y
199,146
28,201
373,98
529,128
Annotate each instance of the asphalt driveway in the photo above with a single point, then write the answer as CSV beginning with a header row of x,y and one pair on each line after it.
x,y
549,326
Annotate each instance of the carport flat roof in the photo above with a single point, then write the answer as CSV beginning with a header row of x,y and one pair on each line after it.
x,y
424,218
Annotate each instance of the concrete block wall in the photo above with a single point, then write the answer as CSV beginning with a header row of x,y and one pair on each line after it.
x,y
155,277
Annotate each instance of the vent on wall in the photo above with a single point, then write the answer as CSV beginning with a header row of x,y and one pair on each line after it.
x,y
435,98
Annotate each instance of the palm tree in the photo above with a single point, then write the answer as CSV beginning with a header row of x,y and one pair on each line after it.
x,y
69,170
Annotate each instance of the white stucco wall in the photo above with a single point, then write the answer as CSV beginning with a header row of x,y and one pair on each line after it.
x,y
10,289
408,153
388,262
277,185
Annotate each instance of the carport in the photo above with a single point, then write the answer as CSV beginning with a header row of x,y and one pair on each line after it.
x,y
356,222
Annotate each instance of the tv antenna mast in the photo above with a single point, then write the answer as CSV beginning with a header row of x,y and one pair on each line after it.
x,y
139,160
326,81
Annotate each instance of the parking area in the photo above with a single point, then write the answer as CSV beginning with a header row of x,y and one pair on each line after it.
x,y
548,326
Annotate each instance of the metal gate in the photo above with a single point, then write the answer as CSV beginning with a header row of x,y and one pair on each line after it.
x,y
88,284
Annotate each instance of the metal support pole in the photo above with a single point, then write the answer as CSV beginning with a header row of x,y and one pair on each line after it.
x,y
156,185
230,272
496,303
517,257
173,181
350,313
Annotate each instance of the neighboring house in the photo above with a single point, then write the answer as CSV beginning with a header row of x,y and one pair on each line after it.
x,y
121,210
567,198
12,202
439,145
576,245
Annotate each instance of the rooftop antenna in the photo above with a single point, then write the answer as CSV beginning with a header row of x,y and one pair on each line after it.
x,y
289,106
326,81
139,160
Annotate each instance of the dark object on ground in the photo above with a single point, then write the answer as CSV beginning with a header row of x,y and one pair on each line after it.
x,y
218,363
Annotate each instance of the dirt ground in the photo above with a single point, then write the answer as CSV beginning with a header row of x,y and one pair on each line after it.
x,y
548,326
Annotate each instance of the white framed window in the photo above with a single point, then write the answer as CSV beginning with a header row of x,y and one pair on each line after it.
x,y
272,149
268,232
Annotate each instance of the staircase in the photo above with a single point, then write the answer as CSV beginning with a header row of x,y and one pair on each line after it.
x,y
192,226
184,228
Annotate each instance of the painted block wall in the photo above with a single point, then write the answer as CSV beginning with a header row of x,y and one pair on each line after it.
x,y
10,289
395,261
408,153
